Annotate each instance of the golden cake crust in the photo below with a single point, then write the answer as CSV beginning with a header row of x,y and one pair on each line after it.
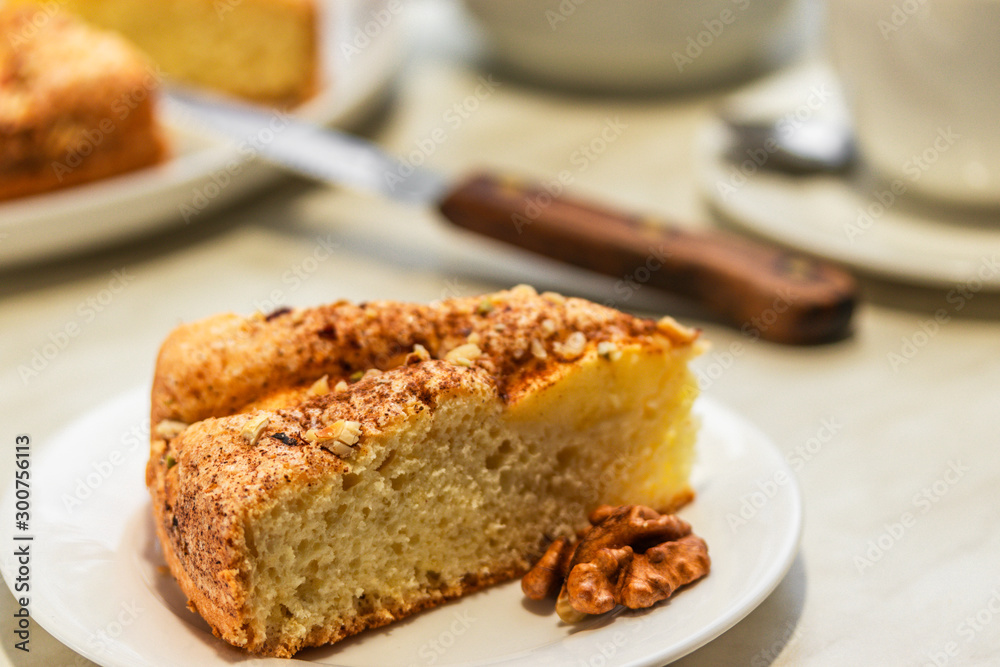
x,y
217,366
207,479
76,104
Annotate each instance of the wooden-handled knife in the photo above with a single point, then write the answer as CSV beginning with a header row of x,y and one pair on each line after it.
x,y
761,290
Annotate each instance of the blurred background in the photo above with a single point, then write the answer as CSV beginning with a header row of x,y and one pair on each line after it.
x,y
858,135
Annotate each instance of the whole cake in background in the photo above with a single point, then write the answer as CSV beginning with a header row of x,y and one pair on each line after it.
x,y
316,472
76,104
260,50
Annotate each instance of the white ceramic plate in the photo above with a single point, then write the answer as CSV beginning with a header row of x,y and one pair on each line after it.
x,y
203,172
853,219
99,585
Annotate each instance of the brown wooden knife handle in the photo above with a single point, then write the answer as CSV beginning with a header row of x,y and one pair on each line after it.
x,y
762,290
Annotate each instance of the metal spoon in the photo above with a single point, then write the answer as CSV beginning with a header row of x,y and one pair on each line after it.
x,y
810,146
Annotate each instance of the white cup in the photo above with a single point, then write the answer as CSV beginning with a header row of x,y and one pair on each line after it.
x,y
922,81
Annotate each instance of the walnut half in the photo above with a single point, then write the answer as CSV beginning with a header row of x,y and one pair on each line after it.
x,y
632,556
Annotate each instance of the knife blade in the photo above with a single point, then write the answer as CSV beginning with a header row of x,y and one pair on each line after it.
x,y
763,291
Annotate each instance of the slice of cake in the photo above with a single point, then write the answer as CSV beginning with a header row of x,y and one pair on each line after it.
x,y
261,50
76,104
318,472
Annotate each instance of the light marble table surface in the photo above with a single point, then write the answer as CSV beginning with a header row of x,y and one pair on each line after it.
x,y
873,439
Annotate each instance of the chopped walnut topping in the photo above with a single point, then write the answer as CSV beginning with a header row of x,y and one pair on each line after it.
x,y
554,297
320,387
474,338
538,349
419,354
464,355
523,290
609,350
676,331
337,437
573,346
371,372
548,327
340,387
169,429
338,448
254,427
351,432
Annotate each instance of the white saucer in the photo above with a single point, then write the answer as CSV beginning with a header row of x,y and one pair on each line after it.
x,y
99,585
853,219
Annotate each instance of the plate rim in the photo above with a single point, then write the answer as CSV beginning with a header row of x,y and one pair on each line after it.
x,y
791,544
